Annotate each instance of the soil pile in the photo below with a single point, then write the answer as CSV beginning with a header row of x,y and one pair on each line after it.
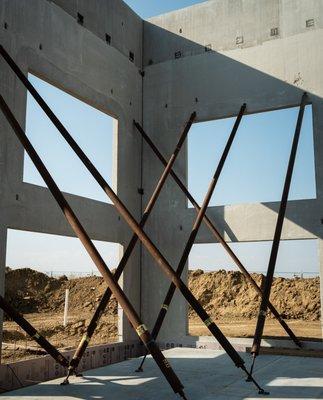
x,y
31,291
228,294
223,294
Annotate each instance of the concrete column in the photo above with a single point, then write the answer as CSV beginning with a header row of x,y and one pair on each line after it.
x,y
318,153
3,246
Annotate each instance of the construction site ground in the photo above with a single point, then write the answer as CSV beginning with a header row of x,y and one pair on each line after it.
x,y
227,296
205,374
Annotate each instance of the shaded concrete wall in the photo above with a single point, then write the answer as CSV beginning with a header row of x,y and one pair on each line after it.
x,y
109,17
265,72
80,62
44,368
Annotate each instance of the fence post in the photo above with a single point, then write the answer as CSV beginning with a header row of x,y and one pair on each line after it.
x,y
67,291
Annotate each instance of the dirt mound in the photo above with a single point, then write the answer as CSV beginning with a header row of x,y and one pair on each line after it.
x,y
229,294
27,290
31,291
222,293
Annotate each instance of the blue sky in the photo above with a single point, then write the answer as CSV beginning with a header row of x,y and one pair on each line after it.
x,y
254,172
150,8
91,129
256,166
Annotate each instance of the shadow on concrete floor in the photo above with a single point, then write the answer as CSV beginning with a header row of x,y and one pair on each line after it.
x,y
206,375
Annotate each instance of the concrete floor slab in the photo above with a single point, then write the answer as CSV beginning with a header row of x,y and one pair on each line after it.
x,y
206,375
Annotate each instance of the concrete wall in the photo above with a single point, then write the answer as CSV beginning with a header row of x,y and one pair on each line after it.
x,y
79,61
244,63
265,72
109,17
44,368
227,25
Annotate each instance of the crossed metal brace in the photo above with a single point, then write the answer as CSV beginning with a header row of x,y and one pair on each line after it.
x,y
80,232
137,228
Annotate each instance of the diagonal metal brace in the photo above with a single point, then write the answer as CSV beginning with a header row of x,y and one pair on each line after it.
x,y
80,232
219,237
33,333
277,236
123,262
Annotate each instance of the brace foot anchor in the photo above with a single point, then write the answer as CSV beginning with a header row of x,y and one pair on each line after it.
x,y
65,382
139,369
263,392
250,378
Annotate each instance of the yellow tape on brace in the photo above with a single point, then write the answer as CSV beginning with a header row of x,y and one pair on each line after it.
x,y
165,307
141,329
208,322
86,338
36,336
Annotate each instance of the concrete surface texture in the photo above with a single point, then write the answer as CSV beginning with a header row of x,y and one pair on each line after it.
x,y
78,61
262,52
206,375
262,70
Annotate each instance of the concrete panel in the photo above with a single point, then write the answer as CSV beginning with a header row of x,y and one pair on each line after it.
x,y
205,24
265,72
259,220
112,17
246,63
44,39
44,368
204,373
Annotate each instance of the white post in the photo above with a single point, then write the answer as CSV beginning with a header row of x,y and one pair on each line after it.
x,y
67,292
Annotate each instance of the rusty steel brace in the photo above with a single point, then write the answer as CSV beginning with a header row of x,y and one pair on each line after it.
x,y
219,237
277,237
80,232
122,264
197,224
128,217
33,333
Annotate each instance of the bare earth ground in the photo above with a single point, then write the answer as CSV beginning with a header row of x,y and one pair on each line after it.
x,y
246,328
227,296
18,346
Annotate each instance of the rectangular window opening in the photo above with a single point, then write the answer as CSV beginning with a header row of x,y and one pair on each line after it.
x,y
92,129
36,280
256,166
234,304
